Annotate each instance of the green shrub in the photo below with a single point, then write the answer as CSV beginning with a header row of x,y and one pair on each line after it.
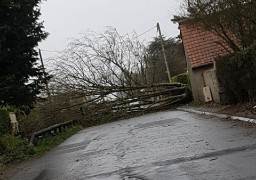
x,y
46,144
9,142
182,78
5,127
15,148
18,148
237,76
5,124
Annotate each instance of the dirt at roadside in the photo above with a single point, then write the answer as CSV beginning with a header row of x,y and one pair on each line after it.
x,y
242,110
15,167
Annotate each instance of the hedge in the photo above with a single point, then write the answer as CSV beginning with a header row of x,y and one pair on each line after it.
x,y
237,77
182,78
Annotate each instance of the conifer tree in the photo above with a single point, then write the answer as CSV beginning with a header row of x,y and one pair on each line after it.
x,y
21,78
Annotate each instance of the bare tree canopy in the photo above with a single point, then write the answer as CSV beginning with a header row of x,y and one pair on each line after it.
x,y
107,59
108,71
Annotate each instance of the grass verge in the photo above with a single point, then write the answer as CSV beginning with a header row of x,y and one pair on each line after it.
x,y
18,149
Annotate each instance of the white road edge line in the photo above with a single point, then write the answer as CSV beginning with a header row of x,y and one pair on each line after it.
x,y
223,116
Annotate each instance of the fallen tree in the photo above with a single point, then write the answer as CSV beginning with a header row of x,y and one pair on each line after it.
x,y
108,74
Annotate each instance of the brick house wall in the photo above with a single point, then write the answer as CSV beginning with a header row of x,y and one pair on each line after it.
x,y
202,48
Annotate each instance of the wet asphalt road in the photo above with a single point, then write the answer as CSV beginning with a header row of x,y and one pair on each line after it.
x,y
161,146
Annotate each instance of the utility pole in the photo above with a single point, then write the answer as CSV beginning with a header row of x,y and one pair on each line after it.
x,y
165,59
46,82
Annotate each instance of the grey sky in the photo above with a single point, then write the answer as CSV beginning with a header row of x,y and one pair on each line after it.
x,y
65,19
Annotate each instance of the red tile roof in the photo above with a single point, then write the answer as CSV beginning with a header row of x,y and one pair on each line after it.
x,y
201,46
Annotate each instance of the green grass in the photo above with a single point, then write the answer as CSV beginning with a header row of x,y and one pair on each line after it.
x,y
18,149
47,144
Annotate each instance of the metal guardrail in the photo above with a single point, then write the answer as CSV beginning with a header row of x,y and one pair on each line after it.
x,y
55,128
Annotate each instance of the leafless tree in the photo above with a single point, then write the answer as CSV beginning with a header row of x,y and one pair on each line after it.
x,y
110,71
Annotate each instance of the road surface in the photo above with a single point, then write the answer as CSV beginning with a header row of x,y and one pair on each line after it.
x,y
160,146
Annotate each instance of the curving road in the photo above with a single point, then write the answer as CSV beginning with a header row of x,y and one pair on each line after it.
x,y
161,146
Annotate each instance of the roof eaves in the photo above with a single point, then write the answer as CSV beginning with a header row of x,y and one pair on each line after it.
x,y
202,65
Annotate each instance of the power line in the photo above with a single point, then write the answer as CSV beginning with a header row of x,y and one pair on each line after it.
x,y
147,31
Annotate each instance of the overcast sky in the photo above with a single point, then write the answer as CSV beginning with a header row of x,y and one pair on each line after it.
x,y
65,19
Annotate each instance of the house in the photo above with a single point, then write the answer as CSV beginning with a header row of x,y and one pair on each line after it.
x,y
202,47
